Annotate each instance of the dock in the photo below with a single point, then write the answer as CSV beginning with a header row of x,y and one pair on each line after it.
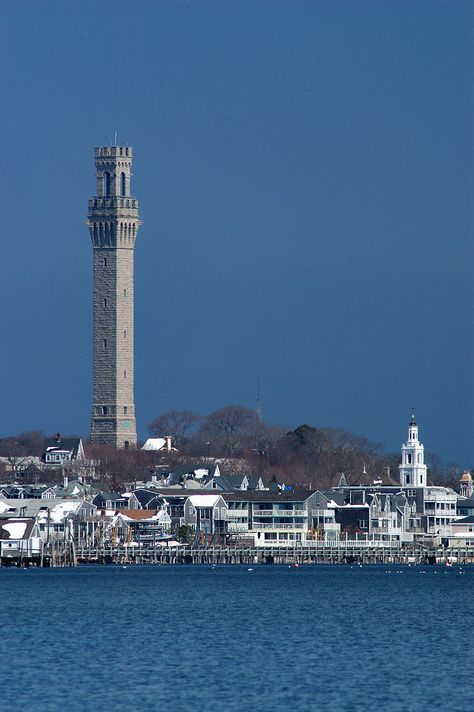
x,y
69,555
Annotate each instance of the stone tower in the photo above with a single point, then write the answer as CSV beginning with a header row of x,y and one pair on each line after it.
x,y
413,468
113,224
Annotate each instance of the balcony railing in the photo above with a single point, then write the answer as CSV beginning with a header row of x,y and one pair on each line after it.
x,y
237,527
280,513
440,529
440,497
237,514
279,525
322,513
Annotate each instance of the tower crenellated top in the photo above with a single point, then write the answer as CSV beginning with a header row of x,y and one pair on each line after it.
x,y
113,151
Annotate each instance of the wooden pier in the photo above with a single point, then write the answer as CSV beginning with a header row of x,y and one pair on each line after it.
x,y
362,553
345,553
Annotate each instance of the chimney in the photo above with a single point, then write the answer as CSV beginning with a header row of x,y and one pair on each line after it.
x,y
168,443
58,438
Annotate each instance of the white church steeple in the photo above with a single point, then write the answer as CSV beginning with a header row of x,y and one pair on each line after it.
x,y
413,468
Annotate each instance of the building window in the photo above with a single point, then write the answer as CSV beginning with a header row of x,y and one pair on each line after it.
x,y
106,183
105,302
104,261
124,375
409,458
105,343
126,444
125,410
124,292
122,185
104,410
124,333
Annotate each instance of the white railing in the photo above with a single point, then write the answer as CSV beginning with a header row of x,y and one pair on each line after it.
x,y
278,525
237,527
440,497
280,513
331,527
322,513
440,529
237,514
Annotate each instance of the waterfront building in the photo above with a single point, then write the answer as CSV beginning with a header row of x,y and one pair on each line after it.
x,y
141,526
279,518
205,513
113,223
19,536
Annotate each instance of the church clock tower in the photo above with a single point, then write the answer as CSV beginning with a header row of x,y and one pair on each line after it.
x,y
413,468
113,223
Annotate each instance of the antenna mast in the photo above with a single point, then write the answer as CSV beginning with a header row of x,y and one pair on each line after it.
x,y
259,407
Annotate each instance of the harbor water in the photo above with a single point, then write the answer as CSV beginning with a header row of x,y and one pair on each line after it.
x,y
237,638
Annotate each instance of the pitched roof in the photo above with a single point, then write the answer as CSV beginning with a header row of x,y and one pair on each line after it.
x,y
138,514
69,444
204,500
145,496
107,496
16,528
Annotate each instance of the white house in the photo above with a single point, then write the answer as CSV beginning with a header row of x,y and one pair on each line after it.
x,y
19,536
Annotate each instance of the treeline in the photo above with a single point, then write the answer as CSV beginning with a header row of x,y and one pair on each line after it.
x,y
304,456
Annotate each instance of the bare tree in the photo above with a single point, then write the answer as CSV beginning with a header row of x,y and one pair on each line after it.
x,y
228,429
177,423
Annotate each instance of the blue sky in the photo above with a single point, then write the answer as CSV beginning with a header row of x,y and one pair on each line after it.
x,y
304,171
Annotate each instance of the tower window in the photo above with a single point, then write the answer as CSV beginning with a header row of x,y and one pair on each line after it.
x,y
124,375
409,458
107,183
105,343
104,262
122,185
124,333
105,302
125,410
124,292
